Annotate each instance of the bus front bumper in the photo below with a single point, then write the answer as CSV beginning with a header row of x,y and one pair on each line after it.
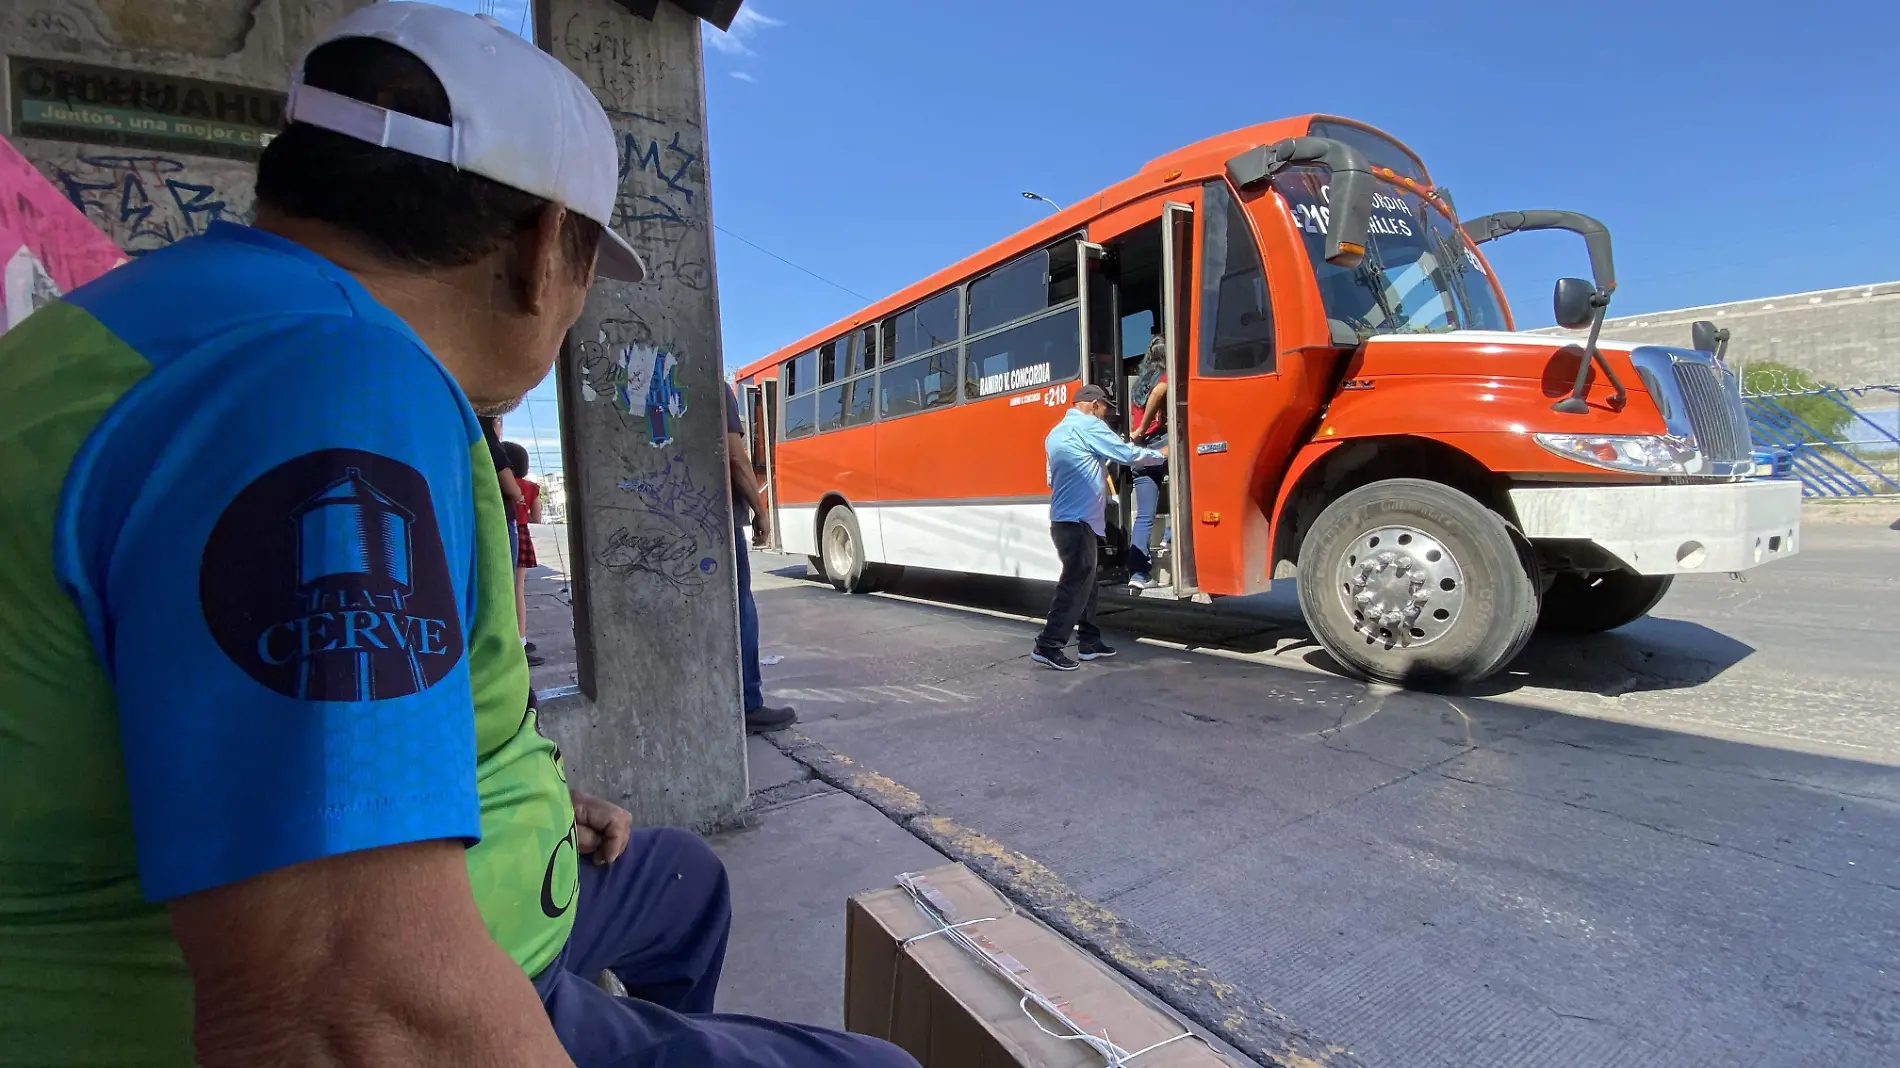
x,y
1670,530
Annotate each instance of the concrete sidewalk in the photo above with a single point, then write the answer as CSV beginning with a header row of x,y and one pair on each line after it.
x,y
803,849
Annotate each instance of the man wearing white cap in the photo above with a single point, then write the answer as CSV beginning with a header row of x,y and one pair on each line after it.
x,y
274,794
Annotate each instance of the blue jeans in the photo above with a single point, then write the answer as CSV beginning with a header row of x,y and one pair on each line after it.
x,y
748,624
1147,498
658,918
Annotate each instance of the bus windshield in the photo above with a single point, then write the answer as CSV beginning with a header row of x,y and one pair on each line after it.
x,y
1419,275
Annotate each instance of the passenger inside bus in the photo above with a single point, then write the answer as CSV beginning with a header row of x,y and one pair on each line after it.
x,y
1134,267
1148,402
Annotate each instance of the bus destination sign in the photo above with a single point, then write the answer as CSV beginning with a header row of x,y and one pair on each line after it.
x,y
62,101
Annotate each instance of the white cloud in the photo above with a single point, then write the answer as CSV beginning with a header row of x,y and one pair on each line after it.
x,y
743,76
745,25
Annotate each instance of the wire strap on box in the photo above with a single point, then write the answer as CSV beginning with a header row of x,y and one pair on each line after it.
x,y
939,911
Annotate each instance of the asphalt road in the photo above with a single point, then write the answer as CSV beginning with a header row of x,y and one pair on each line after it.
x,y
1669,845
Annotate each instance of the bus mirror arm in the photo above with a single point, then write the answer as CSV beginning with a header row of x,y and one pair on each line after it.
x,y
1596,236
1349,196
1596,239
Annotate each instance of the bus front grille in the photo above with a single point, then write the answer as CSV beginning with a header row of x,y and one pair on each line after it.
x,y
1716,413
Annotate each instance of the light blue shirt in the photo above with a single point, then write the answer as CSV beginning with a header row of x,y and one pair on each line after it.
x,y
1080,448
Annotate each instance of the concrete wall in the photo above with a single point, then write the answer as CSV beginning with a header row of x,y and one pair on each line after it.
x,y
1846,337
145,199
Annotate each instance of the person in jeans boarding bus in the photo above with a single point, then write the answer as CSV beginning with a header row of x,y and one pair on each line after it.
x,y
274,791
1079,450
1151,394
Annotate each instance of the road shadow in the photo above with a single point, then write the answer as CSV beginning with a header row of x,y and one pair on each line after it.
x,y
1650,654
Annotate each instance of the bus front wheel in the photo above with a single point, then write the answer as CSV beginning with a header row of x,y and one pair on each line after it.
x,y
841,551
1416,583
1592,604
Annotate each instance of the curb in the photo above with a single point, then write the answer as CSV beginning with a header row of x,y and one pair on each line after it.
x,y
1251,1026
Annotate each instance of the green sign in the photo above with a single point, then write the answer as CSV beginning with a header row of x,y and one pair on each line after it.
x,y
94,105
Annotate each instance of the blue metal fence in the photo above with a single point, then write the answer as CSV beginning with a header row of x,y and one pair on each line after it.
x,y
1845,440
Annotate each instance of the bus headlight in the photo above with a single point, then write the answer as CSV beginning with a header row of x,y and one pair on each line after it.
x,y
1650,454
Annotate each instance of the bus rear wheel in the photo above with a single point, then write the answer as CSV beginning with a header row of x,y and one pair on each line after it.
x,y
1416,583
841,553
1591,604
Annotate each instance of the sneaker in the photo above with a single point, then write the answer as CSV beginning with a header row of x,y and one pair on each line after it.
x,y
536,661
1097,651
1140,582
1054,658
529,646
764,719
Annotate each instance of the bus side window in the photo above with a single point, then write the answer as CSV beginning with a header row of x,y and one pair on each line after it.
x,y
801,417
1031,356
829,364
924,327
918,385
799,374
1236,320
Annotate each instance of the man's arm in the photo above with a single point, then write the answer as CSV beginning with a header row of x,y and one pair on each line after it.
x,y
376,958
739,462
1102,441
296,719
1156,398
746,484
510,489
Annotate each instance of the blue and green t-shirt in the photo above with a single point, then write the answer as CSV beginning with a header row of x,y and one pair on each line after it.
x,y
256,608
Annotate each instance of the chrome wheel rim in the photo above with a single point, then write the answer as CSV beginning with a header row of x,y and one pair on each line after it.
x,y
838,551
1400,586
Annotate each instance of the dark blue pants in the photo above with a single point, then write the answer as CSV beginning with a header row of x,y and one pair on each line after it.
x,y
748,624
657,918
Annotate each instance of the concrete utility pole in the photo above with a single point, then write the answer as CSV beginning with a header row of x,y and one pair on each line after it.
x,y
656,725
149,115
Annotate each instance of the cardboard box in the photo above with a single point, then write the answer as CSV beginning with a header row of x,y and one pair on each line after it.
x,y
950,1007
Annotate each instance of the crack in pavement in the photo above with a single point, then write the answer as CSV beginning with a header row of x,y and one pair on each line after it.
x,y
1668,831
1749,775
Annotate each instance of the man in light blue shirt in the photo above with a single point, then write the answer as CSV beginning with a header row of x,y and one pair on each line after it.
x,y
1079,450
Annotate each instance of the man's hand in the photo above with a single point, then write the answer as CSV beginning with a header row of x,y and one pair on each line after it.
x,y
761,529
601,828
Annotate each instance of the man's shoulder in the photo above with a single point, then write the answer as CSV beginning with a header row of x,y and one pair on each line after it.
x,y
234,283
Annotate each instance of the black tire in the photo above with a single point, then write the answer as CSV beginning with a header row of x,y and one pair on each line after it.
x,y
841,554
1592,604
1476,604
818,567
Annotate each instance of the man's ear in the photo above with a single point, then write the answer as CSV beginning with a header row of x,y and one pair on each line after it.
x,y
540,261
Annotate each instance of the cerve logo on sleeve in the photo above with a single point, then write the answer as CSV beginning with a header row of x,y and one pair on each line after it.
x,y
325,580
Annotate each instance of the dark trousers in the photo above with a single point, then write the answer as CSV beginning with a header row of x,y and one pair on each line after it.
x,y
657,918
1073,609
748,624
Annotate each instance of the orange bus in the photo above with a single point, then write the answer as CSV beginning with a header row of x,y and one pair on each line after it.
x,y
1348,403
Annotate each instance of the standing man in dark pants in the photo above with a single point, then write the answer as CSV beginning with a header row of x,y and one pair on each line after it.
x,y
1079,450
759,718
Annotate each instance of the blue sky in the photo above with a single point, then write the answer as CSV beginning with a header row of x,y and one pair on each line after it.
x,y
1735,149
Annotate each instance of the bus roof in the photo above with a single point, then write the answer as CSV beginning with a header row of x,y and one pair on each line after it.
x,y
1191,165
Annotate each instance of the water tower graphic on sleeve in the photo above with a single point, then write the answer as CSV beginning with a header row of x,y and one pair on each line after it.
x,y
325,580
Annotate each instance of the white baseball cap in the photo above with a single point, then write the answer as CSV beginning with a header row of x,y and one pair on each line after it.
x,y
519,117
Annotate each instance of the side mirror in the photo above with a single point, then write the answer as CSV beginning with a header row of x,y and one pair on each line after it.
x,y
1702,336
1572,303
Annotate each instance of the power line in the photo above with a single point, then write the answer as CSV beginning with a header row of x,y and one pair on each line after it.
x,y
789,263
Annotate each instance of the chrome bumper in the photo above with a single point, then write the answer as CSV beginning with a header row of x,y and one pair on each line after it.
x,y
1670,530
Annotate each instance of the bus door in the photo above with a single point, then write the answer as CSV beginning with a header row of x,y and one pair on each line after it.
x,y
761,408
1177,306
1147,292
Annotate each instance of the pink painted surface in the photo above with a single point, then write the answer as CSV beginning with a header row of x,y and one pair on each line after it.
x,y
61,243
